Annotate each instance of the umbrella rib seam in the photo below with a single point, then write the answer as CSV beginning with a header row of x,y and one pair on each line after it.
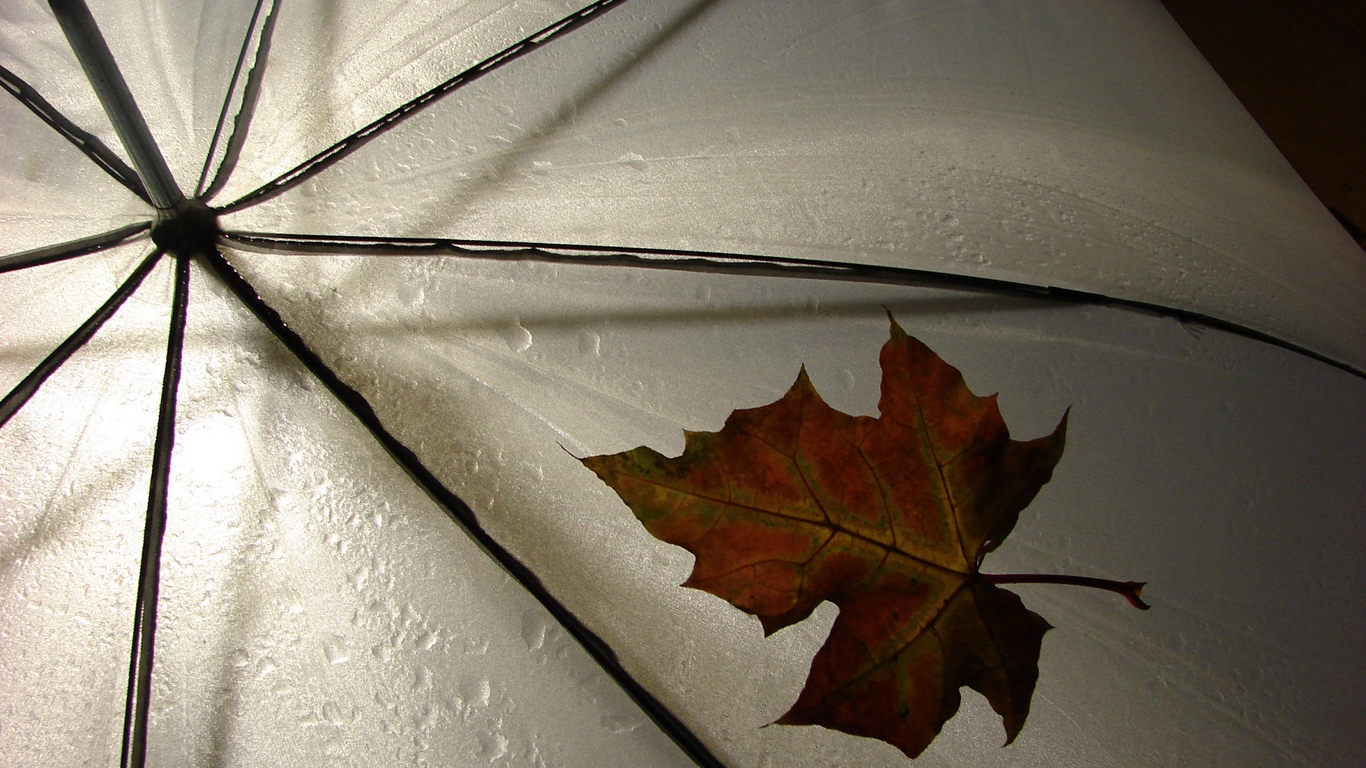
x,y
242,121
141,655
738,264
73,248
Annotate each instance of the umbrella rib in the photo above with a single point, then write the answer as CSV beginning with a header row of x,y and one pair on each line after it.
x,y
251,91
149,580
85,141
25,389
319,162
461,513
737,264
72,248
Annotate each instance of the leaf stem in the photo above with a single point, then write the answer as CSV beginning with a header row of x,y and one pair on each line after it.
x,y
1129,590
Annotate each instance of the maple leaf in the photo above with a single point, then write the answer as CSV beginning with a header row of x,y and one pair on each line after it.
x,y
794,503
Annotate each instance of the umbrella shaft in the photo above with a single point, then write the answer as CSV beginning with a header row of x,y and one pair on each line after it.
x,y
85,39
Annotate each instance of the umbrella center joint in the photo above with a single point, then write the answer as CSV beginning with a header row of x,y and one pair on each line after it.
x,y
189,227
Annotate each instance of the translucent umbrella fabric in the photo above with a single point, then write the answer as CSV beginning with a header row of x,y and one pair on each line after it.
x,y
318,608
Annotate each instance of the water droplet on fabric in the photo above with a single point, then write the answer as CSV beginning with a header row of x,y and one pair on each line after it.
x,y
533,631
494,745
632,159
476,693
422,679
334,648
518,338
620,723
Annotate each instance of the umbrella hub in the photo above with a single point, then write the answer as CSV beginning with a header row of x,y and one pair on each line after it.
x,y
190,227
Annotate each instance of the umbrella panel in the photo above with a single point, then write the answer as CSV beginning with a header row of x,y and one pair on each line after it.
x,y
1085,148
1186,450
72,521
336,66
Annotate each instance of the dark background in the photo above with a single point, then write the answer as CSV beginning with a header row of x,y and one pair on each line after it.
x,y
1299,67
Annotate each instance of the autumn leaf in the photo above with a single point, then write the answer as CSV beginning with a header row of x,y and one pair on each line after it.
x,y
794,503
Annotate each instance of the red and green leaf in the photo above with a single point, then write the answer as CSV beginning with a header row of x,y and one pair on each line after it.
x,y
794,503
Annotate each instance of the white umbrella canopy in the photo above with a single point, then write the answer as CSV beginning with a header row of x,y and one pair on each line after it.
x,y
318,606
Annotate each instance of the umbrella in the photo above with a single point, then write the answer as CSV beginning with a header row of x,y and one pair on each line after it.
x,y
429,296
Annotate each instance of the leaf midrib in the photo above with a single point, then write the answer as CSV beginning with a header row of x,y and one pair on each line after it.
x,y
832,526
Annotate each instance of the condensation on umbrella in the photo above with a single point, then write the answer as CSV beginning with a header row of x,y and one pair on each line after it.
x,y
186,230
